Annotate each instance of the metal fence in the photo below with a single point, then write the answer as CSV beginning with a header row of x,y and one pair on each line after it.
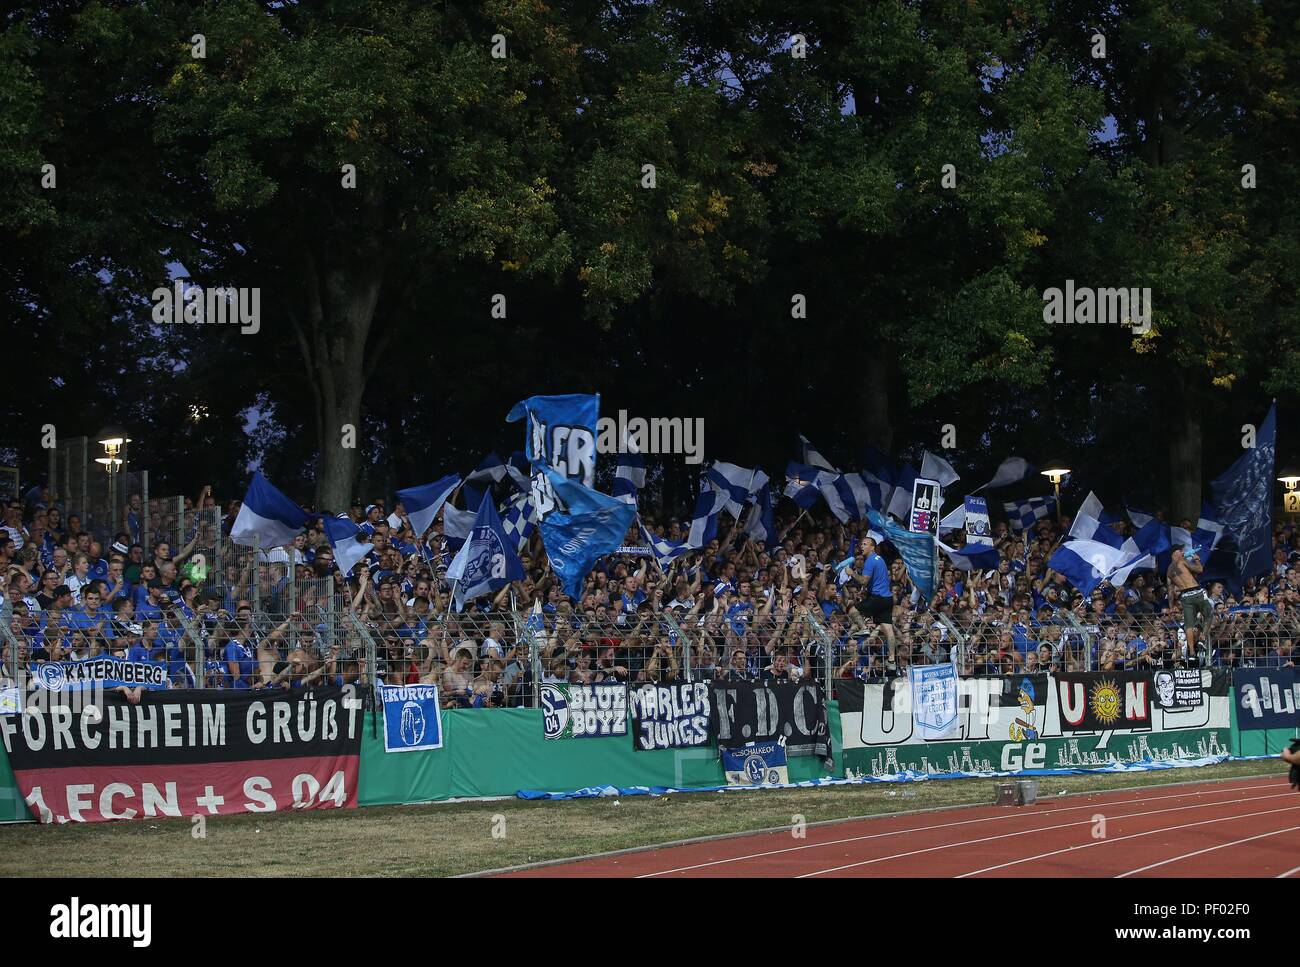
x,y
291,624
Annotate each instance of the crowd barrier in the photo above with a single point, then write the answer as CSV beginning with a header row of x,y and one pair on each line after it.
x,y
189,753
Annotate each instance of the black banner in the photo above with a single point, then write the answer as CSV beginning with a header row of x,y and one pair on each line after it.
x,y
186,753
749,712
671,716
1100,701
1177,689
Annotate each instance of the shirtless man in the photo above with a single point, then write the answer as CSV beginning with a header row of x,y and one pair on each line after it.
x,y
1185,589
269,662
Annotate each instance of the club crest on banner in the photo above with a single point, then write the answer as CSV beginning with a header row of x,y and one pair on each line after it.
x,y
412,717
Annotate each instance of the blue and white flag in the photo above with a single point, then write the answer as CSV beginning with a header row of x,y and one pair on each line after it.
x,y
456,525
583,527
412,717
423,503
519,521
1091,506
1026,513
1201,542
1140,518
976,521
761,525
487,561
801,485
934,699
665,551
704,519
517,469
879,466
346,540
917,551
561,434
937,468
1088,528
861,492
629,474
740,484
900,502
1244,496
491,469
813,457
756,764
805,484
972,557
267,518
1086,564
955,519
1011,470
1152,538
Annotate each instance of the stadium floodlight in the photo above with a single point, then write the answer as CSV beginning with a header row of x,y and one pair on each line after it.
x,y
1289,478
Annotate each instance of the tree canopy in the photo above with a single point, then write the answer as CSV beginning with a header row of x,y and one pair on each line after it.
x,y
449,207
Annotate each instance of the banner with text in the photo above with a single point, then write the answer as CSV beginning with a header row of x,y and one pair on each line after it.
x,y
412,717
187,753
671,716
1014,723
753,712
583,711
756,764
1267,698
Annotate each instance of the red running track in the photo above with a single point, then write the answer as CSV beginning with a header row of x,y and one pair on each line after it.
x,y
1245,828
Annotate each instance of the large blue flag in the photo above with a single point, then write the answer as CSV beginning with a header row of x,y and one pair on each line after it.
x,y
561,432
267,518
916,549
346,539
423,503
582,527
487,561
1244,496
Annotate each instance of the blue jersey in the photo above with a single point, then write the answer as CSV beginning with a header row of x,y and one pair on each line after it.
x,y
244,661
877,575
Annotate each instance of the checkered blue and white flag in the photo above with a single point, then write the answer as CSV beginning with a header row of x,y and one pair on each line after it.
x,y
664,550
1027,513
519,520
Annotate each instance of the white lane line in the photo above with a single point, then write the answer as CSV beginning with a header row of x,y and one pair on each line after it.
x,y
1283,876
1211,849
962,822
1120,839
1029,832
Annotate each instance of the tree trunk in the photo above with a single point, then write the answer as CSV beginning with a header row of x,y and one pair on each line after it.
x,y
1185,453
876,424
333,330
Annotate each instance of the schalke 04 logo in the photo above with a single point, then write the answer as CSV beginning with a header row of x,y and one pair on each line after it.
x,y
555,711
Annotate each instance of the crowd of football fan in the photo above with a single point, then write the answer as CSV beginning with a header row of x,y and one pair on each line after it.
x,y
730,610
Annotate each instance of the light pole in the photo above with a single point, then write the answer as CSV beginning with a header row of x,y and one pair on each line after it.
x,y
114,440
1056,471
1290,479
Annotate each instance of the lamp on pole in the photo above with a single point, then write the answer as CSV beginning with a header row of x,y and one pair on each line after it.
x,y
1056,471
114,440
1290,479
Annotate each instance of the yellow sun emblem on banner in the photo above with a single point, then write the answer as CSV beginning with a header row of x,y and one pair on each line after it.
x,y
1106,701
